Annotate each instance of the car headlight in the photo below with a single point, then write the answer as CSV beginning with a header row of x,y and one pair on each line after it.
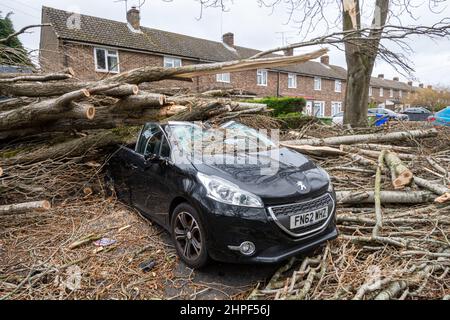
x,y
224,191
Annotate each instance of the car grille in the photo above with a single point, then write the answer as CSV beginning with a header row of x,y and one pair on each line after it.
x,y
281,214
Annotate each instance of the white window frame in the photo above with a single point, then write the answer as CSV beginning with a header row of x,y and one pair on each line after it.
x,y
107,54
317,83
338,86
381,92
333,106
171,62
370,91
263,75
391,93
322,109
292,77
223,77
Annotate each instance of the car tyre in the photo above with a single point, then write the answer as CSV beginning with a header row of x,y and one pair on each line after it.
x,y
189,236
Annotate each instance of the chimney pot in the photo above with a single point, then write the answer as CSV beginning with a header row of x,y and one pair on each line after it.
x,y
410,83
289,52
325,60
228,39
381,76
134,18
420,85
430,87
396,79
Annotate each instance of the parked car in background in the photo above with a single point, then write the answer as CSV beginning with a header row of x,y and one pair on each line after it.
x,y
217,208
390,114
441,118
417,113
338,118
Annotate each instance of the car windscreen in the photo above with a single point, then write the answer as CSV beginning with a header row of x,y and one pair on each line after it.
x,y
192,137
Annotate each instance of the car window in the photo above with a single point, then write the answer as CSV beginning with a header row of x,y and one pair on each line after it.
x,y
154,144
150,140
165,148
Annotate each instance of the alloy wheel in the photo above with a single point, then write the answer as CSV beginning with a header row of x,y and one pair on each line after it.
x,y
188,235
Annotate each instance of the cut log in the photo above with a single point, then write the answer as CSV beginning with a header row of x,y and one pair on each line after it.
x,y
381,147
317,151
403,176
24,207
80,111
1,171
411,197
377,196
46,110
65,74
373,153
442,191
367,138
137,102
14,103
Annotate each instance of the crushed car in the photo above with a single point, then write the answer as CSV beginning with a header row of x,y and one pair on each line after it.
x,y
232,198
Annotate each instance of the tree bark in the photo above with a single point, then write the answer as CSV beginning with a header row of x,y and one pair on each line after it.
x,y
360,57
411,197
403,176
24,207
366,138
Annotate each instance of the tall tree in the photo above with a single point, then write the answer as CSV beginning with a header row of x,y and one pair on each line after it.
x,y
12,51
386,37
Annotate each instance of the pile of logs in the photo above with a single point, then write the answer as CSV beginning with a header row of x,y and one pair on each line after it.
x,y
393,217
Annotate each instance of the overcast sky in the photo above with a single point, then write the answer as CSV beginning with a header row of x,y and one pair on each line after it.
x,y
252,25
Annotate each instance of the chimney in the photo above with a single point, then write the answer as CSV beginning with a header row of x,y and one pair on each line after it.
x,y
228,39
325,60
134,18
395,79
289,52
420,85
381,76
430,87
410,83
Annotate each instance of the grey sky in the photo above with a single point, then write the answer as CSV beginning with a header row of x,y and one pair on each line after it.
x,y
253,27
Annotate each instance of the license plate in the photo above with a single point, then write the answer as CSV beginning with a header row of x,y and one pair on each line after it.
x,y
309,218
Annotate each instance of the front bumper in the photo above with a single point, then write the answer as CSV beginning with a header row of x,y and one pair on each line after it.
x,y
230,226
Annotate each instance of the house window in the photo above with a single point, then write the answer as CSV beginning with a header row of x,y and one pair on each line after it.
x,y
292,81
317,83
370,91
171,62
106,60
261,77
337,86
223,77
319,109
336,107
381,92
391,93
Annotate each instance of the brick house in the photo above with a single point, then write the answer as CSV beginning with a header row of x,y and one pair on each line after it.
x,y
96,47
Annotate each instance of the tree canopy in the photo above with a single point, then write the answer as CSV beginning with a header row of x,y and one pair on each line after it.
x,y
12,51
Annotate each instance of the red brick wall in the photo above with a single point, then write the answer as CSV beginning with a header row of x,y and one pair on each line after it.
x,y
81,59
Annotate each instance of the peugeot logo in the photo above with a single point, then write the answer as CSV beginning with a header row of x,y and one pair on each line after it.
x,y
301,185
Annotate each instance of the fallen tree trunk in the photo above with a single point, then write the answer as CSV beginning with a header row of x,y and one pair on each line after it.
x,y
402,176
374,153
411,197
366,138
24,207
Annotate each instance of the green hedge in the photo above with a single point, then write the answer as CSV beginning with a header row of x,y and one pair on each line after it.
x,y
283,106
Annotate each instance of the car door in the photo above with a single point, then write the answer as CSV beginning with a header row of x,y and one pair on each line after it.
x,y
150,193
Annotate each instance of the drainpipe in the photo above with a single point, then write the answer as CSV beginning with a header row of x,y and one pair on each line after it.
x,y
278,84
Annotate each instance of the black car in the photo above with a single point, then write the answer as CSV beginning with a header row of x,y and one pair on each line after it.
x,y
417,114
225,197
